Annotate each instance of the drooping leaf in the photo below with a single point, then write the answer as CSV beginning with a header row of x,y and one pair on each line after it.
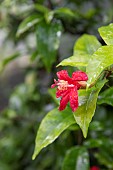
x,y
7,60
48,39
85,46
101,59
106,33
85,111
54,123
28,23
106,97
77,158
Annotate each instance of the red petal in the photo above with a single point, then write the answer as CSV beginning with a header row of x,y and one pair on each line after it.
x,y
55,83
63,102
94,168
79,76
61,93
74,99
63,75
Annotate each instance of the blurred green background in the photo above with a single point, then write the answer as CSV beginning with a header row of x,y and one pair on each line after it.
x,y
35,35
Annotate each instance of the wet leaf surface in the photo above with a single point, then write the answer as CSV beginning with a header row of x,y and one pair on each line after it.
x,y
84,47
54,123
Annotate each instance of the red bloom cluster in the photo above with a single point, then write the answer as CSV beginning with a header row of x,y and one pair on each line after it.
x,y
94,168
67,88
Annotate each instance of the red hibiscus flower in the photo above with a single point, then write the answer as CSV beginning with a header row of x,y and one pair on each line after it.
x,y
67,88
94,168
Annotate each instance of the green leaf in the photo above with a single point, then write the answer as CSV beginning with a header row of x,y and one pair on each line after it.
x,y
85,111
93,143
78,60
41,8
54,123
84,47
65,11
106,97
90,13
106,33
34,56
101,59
105,154
48,39
27,23
96,126
49,16
7,60
87,43
77,158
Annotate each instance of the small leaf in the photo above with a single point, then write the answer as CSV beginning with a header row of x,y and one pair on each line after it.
x,y
7,60
106,33
106,97
85,112
77,158
41,8
54,123
27,23
85,46
49,16
65,11
90,13
101,59
34,55
48,39
96,126
93,143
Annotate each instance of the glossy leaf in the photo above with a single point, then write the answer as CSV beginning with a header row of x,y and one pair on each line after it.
x,y
85,46
85,111
87,43
77,60
77,158
106,97
28,23
48,39
101,59
54,123
106,33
